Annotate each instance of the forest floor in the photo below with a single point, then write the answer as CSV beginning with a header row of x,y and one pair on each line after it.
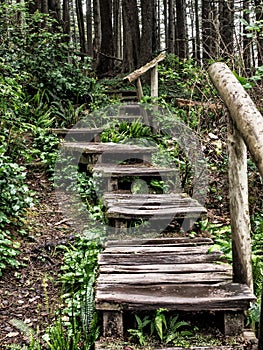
x,y
31,292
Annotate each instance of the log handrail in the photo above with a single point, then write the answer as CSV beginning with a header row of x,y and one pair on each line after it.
x,y
136,75
245,131
138,72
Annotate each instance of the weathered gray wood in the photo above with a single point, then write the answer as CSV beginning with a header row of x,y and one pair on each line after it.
x,y
172,258
92,152
154,81
137,73
120,170
244,112
142,250
185,241
139,89
185,297
79,134
239,207
166,268
153,278
153,212
107,147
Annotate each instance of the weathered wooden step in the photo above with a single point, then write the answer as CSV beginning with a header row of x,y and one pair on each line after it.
x,y
115,174
92,152
172,273
183,297
123,209
79,134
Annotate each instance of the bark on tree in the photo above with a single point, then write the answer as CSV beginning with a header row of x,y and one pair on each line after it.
x,y
97,31
106,50
131,35
246,41
259,17
171,27
146,43
66,19
244,112
226,27
181,30
81,28
89,27
209,33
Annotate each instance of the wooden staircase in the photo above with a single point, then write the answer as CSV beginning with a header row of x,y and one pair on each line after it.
x,y
170,271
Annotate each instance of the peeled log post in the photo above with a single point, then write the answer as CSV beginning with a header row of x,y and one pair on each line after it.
x,y
247,125
244,112
239,207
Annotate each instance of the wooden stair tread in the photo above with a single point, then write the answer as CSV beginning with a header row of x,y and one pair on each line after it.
x,y
65,131
107,147
175,241
156,206
131,170
183,297
145,274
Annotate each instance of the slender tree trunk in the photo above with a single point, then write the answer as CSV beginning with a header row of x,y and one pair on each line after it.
x,y
146,44
259,17
131,35
226,29
246,41
165,19
97,31
81,28
197,31
89,27
66,19
106,62
182,37
117,27
171,27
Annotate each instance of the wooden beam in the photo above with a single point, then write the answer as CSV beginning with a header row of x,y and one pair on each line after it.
x,y
239,207
137,73
154,81
244,112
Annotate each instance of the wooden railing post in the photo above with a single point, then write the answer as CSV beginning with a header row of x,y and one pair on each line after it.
x,y
239,207
154,81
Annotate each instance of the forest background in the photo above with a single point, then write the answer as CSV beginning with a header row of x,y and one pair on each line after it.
x,y
60,61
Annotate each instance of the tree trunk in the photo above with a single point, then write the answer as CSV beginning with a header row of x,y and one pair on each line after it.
x,y
131,35
116,27
197,32
89,27
66,19
171,27
97,31
105,64
246,53
146,43
226,27
80,19
182,37
259,18
248,119
209,32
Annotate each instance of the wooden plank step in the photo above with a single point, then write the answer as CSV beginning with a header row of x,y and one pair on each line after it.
x,y
138,200
159,258
93,152
79,134
165,268
174,296
119,170
185,241
165,278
